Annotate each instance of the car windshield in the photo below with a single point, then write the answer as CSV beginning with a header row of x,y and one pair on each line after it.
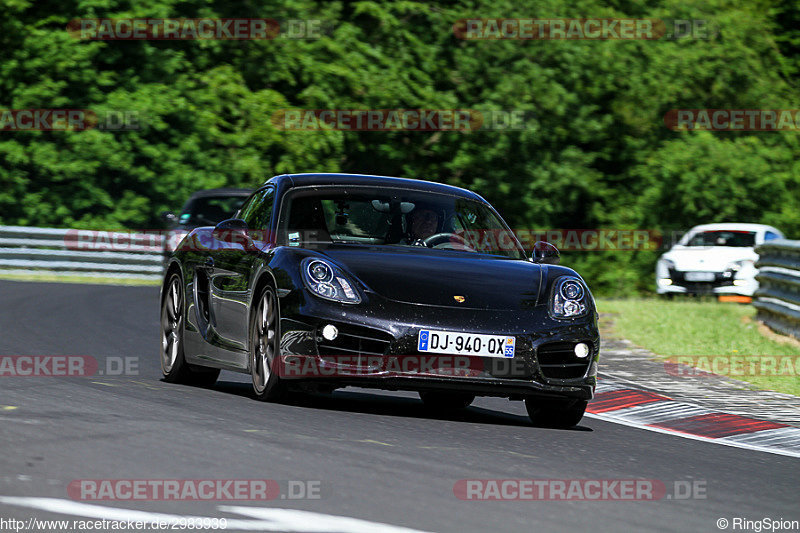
x,y
210,210
723,238
393,217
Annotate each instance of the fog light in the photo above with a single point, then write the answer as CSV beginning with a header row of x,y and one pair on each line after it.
x,y
329,332
740,282
581,350
665,282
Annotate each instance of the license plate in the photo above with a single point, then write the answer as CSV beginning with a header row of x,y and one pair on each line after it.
x,y
699,276
451,342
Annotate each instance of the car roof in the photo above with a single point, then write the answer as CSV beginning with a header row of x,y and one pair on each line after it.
x,y
734,226
222,191
300,180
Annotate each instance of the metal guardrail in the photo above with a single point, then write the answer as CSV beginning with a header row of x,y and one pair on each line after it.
x,y
70,252
778,297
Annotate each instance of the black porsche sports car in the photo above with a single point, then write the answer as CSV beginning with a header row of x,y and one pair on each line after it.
x,y
323,281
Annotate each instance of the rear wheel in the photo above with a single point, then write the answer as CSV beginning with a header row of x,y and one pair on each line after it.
x,y
265,348
446,401
555,413
173,364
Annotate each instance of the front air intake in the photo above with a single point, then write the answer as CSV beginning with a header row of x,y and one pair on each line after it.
x,y
557,360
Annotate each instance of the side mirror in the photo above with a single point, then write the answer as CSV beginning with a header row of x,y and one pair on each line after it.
x,y
546,253
231,230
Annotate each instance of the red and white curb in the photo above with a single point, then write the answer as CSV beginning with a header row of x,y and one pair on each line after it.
x,y
647,410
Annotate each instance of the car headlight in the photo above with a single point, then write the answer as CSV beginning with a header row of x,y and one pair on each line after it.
x,y
569,298
327,281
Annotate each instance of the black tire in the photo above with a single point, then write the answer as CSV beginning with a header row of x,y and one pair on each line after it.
x,y
173,363
265,347
446,401
555,413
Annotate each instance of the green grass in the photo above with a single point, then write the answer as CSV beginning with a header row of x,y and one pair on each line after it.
x,y
77,279
699,328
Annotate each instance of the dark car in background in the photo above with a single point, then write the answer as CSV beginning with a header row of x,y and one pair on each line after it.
x,y
203,208
333,280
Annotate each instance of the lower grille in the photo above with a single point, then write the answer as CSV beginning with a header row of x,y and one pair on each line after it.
x,y
720,280
557,360
354,340
699,286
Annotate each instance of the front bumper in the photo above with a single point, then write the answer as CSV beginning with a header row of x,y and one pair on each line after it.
x,y
377,348
506,388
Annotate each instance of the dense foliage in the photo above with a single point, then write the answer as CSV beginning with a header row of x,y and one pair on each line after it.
x,y
597,153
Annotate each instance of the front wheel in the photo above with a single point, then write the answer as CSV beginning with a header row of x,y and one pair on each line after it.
x,y
265,348
446,401
173,364
555,414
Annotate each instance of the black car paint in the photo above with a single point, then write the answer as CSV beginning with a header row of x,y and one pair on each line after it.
x,y
403,290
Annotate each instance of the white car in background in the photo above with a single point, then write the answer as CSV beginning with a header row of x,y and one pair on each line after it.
x,y
714,259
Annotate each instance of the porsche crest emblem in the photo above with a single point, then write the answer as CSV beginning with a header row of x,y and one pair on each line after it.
x,y
459,299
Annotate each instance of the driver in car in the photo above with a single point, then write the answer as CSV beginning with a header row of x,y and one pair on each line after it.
x,y
422,223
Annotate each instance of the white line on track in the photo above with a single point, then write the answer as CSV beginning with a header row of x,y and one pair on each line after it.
x,y
265,519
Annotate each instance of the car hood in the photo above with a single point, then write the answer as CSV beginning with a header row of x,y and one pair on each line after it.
x,y
711,259
432,277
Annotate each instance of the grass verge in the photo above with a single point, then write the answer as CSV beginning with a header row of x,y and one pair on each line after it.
x,y
77,279
714,333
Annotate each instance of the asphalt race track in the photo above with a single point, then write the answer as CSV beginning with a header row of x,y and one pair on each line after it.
x,y
378,457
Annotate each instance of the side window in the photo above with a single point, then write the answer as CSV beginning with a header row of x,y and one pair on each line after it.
x,y
258,211
770,236
247,206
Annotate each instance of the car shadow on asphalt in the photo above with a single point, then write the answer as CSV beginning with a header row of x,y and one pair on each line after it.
x,y
360,401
